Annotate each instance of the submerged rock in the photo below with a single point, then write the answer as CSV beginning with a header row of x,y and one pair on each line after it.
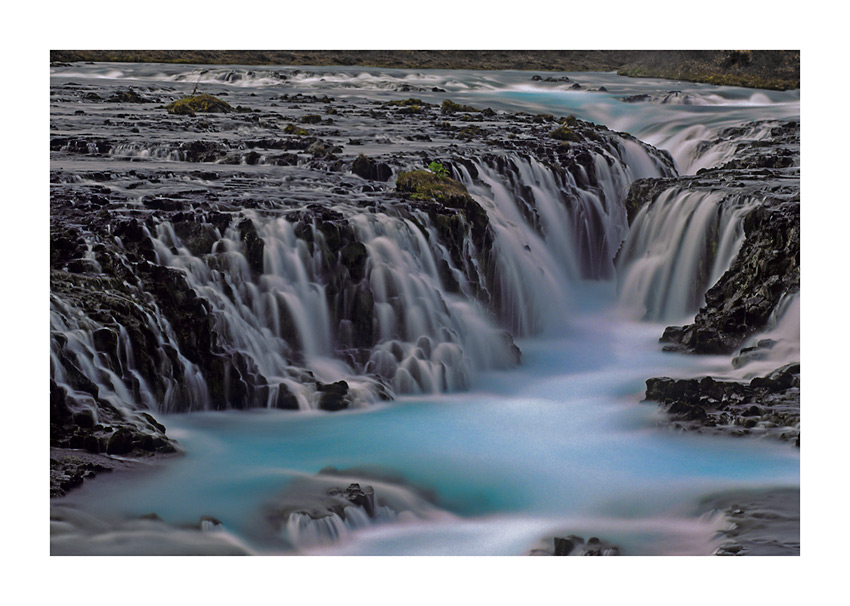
x,y
573,545
366,168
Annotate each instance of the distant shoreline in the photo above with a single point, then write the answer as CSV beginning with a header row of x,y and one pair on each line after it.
x,y
768,69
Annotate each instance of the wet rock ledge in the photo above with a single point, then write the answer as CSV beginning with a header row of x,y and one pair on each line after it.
x,y
766,406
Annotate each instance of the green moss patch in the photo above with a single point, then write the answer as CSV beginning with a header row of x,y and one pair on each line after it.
x,y
291,129
199,104
409,102
425,185
450,107
564,133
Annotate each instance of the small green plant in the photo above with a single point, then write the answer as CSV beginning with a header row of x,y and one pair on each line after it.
x,y
438,169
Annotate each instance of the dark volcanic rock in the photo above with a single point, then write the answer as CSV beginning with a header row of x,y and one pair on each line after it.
x,y
766,406
361,497
573,545
70,472
367,168
323,508
333,396
740,304
128,96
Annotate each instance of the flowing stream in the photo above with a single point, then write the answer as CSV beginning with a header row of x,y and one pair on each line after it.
x,y
509,457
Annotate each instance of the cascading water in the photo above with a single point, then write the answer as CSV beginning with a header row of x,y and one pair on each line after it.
x,y
554,228
679,244
551,229
102,353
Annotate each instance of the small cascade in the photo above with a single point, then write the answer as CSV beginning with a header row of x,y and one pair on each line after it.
x,y
321,510
698,147
777,345
144,151
304,531
270,308
101,359
428,339
679,244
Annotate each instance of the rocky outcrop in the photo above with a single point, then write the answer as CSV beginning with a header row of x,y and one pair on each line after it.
x,y
765,406
740,304
573,545
760,173
366,168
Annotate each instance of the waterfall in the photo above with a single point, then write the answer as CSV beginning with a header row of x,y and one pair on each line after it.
x,y
555,227
680,243
403,298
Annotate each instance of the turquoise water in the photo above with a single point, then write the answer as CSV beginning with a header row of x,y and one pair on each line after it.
x,y
561,442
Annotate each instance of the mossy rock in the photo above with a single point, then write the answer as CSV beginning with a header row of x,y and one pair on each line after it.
x,y
425,185
409,102
199,104
311,119
564,133
291,129
450,107
410,106
127,96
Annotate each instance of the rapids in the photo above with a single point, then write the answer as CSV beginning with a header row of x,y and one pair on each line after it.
x,y
480,457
